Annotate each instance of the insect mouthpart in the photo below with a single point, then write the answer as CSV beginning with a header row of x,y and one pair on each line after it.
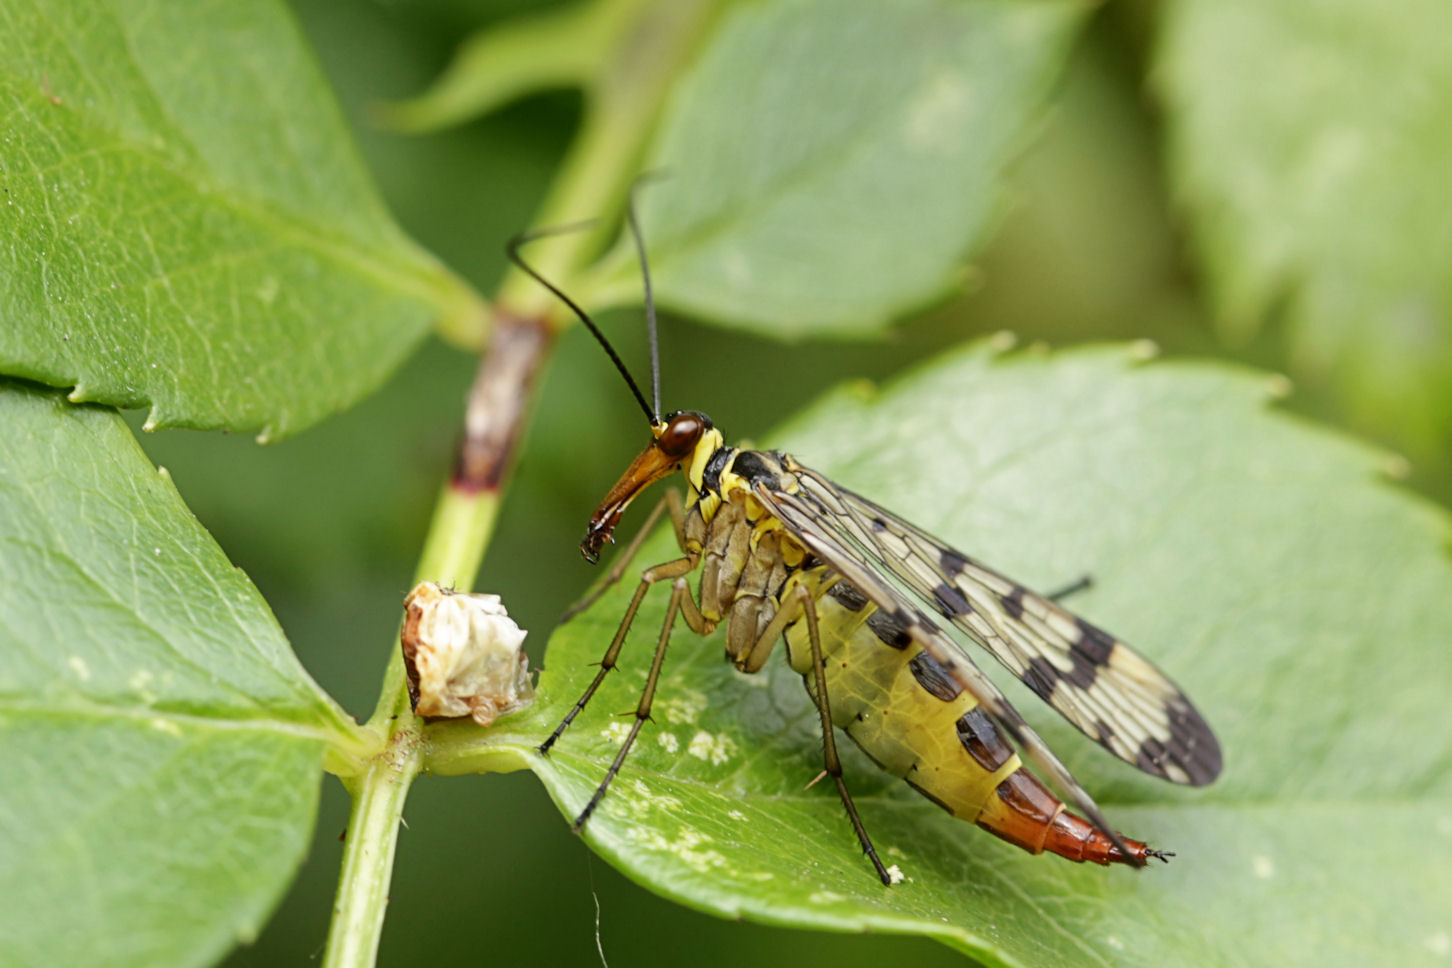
x,y
675,441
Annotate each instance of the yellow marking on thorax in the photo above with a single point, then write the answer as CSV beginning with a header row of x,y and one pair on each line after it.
x,y
710,442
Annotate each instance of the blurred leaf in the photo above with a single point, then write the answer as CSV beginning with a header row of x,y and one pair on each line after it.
x,y
558,47
1309,143
162,745
1233,544
189,226
831,165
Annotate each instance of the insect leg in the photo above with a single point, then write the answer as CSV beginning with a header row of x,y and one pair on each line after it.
x,y
662,572
1073,588
680,593
831,762
670,501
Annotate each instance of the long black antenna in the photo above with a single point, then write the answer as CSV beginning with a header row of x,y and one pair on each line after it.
x,y
524,238
649,295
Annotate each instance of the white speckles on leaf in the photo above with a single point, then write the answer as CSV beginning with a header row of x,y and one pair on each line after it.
x,y
639,804
615,732
687,846
716,749
643,794
683,706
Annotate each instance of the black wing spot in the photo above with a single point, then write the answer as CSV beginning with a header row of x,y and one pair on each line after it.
x,y
1105,732
1094,643
1206,764
952,561
1013,603
1041,676
1084,670
981,740
1190,736
878,524
950,601
930,676
1151,757
889,630
847,596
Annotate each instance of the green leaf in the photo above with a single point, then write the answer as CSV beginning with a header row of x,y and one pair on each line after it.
x,y
830,165
188,225
557,47
162,745
1300,602
1309,141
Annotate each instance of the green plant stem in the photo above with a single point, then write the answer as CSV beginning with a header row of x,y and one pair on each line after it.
x,y
593,180
372,839
603,162
461,527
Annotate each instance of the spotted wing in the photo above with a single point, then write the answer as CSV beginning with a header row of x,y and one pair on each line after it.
x,y
819,534
1107,690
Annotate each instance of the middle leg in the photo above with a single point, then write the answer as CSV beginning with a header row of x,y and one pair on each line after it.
x,y
831,762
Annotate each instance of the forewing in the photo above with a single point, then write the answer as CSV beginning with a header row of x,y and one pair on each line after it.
x,y
824,539
1107,690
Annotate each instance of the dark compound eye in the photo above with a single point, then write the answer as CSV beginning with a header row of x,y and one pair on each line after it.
x,y
681,435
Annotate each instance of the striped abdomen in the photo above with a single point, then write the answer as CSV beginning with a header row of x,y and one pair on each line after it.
x,y
897,704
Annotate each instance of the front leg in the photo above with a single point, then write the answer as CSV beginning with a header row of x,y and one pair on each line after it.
x,y
667,571
670,501
681,604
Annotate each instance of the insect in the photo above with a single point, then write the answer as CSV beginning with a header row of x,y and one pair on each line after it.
x,y
859,598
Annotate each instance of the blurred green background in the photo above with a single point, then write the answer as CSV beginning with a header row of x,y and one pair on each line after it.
x,y
329,524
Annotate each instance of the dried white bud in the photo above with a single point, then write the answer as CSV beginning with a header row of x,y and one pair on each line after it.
x,y
462,654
